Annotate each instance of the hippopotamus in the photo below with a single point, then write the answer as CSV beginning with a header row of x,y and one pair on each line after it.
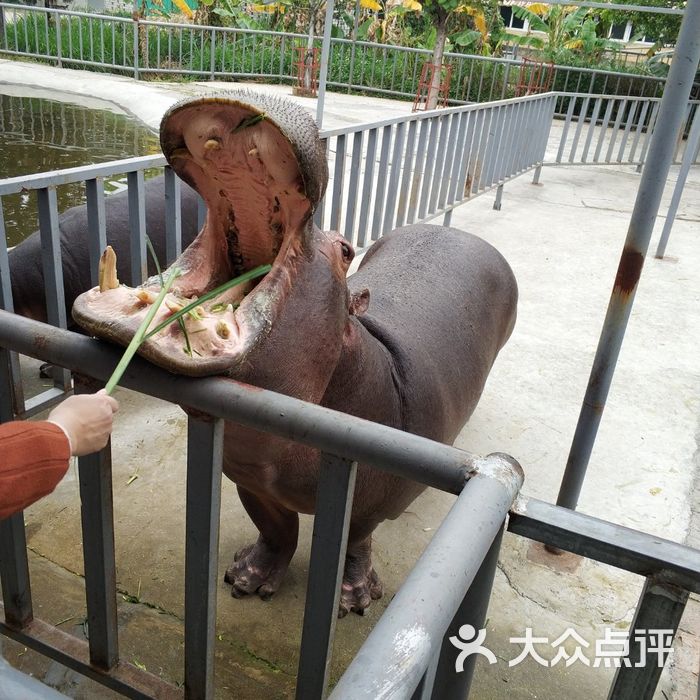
x,y
26,269
407,341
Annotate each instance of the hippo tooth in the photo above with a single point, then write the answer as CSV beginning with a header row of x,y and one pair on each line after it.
x,y
107,270
253,152
212,145
145,296
173,305
222,330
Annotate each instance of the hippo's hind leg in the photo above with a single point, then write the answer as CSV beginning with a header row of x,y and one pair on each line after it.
x,y
260,567
361,584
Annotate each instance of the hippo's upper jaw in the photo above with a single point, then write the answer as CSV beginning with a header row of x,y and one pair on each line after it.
x,y
258,163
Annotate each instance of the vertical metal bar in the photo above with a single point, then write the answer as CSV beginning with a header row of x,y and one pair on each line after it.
x,y
438,163
52,268
380,190
457,124
447,684
467,176
59,44
97,517
212,53
429,169
204,460
14,566
638,131
338,180
137,226
367,187
334,494
325,51
417,173
460,155
616,128
135,38
173,216
355,170
565,132
407,177
655,623
392,198
603,130
97,227
625,134
498,145
591,128
691,150
650,131
484,139
646,208
51,256
579,127
9,361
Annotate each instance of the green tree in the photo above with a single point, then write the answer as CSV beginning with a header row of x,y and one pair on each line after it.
x,y
663,29
567,31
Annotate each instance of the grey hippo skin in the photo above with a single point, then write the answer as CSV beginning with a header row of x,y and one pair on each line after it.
x,y
25,259
407,341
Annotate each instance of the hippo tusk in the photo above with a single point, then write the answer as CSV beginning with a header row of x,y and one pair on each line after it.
x,y
107,270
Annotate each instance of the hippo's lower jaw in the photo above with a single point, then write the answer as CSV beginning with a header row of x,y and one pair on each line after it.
x,y
247,170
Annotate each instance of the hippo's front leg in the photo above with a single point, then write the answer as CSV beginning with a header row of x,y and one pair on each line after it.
x,y
260,567
361,584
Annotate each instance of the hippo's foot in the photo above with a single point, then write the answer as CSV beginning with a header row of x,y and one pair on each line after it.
x,y
355,596
361,584
257,568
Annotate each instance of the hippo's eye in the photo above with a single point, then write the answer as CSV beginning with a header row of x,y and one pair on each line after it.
x,y
348,252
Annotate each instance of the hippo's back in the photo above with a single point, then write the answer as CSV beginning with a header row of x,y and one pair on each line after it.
x,y
443,302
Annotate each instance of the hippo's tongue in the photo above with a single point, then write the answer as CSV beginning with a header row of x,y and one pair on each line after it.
x,y
250,173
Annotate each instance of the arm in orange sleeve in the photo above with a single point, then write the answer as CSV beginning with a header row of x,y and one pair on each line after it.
x,y
34,456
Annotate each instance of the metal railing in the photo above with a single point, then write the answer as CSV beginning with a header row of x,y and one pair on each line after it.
x,y
142,47
607,129
408,654
403,171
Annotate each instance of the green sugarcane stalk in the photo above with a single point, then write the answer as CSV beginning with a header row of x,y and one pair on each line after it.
x,y
140,334
245,277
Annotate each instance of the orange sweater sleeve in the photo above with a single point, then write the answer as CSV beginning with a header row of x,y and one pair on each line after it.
x,y
34,456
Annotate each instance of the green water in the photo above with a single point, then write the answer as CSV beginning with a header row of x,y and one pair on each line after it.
x,y
39,135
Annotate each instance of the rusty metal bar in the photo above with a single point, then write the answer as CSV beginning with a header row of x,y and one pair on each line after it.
x,y
651,187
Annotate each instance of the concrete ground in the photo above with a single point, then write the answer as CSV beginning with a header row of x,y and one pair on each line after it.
x,y
563,240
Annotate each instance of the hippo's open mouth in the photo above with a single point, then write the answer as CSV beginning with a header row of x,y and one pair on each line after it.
x,y
257,168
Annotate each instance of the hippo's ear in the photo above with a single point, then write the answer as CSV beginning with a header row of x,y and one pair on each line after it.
x,y
359,301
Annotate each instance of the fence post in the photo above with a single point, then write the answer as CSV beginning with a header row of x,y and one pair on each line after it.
x,y
646,208
59,43
212,54
691,151
136,46
656,620
448,684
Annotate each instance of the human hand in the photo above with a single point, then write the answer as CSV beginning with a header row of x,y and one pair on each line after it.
x,y
87,421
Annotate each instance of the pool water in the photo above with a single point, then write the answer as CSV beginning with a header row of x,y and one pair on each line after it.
x,y
39,135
